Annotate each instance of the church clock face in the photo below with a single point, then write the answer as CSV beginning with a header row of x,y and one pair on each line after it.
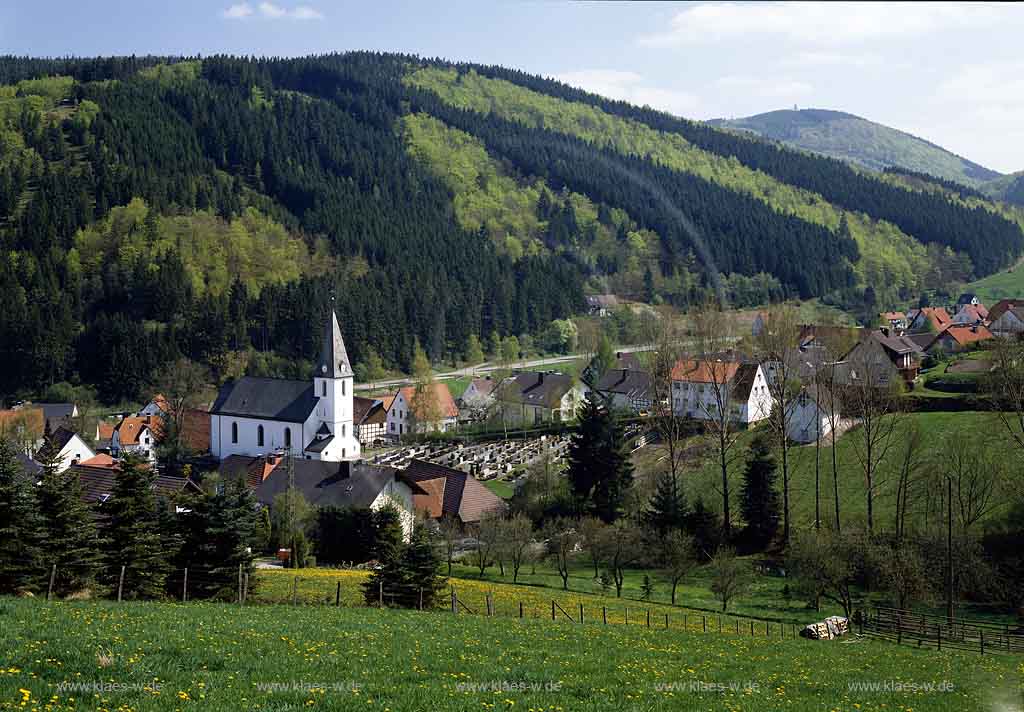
x,y
323,368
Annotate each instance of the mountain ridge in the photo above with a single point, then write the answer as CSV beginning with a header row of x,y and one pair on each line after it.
x,y
853,138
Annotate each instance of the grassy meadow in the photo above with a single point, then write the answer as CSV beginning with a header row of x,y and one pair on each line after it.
x,y
205,656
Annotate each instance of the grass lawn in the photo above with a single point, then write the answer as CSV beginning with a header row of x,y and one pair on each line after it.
x,y
205,656
939,428
503,489
1001,285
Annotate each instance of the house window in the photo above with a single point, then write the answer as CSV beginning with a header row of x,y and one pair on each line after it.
x,y
342,430
287,437
234,433
259,436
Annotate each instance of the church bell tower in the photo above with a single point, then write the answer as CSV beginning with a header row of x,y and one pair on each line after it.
x,y
333,384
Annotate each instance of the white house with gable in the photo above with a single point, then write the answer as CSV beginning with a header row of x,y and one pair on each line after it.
x,y
309,419
699,385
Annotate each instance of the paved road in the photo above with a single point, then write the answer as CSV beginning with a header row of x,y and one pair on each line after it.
x,y
489,367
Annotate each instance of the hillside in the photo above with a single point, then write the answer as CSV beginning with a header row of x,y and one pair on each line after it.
x,y
1009,188
218,657
858,140
211,208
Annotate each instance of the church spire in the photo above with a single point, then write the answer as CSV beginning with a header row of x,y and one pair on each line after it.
x,y
333,358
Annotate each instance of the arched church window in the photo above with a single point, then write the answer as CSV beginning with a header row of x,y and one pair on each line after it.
x,y
259,436
323,388
234,433
287,437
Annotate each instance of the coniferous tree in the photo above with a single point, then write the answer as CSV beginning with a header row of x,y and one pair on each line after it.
x,y
132,534
420,569
20,565
68,530
388,577
600,471
667,510
706,529
759,500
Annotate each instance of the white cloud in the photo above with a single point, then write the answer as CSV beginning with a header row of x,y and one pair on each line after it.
x,y
832,59
238,12
271,11
821,23
631,87
775,88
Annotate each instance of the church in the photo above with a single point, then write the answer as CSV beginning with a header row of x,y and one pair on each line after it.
x,y
311,420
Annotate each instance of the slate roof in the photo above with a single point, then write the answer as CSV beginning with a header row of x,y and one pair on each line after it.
x,y
30,466
266,398
98,482
1002,306
325,484
361,408
922,341
538,389
744,381
897,344
461,495
333,356
633,384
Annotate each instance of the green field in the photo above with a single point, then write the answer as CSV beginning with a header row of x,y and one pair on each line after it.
x,y
156,656
939,429
1001,285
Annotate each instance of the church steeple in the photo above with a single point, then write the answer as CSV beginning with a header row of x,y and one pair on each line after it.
x,y
333,357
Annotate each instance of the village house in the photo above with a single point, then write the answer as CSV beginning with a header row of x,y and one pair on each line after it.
x,y
895,320
808,418
136,436
958,338
883,357
25,427
57,414
1009,322
602,304
477,401
342,484
403,418
370,418
98,477
933,319
744,389
532,398
626,390
68,447
447,492
310,419
1003,305
971,314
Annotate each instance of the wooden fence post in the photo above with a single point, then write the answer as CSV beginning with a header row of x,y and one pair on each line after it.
x,y
245,588
337,595
604,616
581,613
380,594
552,609
53,576
899,630
938,635
982,641
421,598
684,621
648,617
767,630
239,584
455,602
295,590
666,621
719,625
751,629
184,587
120,584
704,623
520,609
627,615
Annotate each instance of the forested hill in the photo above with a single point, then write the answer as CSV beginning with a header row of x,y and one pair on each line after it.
x,y
866,143
157,208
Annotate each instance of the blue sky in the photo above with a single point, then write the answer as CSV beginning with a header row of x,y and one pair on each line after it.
x,y
950,73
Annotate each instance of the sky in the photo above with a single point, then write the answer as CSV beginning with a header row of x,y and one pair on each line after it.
x,y
950,73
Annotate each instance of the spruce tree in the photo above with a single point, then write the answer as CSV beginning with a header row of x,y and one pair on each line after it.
x,y
68,531
419,565
667,509
388,578
759,500
131,534
600,471
20,566
706,528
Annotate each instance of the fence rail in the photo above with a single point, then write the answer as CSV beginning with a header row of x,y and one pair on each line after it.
x,y
929,630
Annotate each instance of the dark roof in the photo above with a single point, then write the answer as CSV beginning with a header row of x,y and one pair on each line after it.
x,y
628,359
361,407
253,470
921,340
320,444
324,484
56,412
61,437
30,466
897,344
333,356
462,495
98,483
966,298
744,381
530,388
266,398
635,384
